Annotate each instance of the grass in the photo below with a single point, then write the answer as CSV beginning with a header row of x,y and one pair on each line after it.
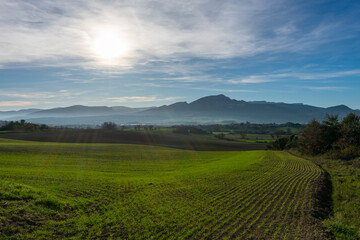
x,y
345,223
248,138
254,140
105,191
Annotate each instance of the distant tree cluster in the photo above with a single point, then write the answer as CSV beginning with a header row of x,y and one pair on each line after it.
x,y
144,127
275,130
336,139
188,130
283,143
108,126
22,125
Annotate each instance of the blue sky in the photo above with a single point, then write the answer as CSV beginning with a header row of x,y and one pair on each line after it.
x,y
150,53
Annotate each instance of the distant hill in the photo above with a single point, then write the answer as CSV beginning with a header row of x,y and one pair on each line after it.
x,y
74,111
126,110
220,107
85,111
206,110
16,114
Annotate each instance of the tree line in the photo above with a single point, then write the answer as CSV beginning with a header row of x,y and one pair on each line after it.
x,y
331,137
22,125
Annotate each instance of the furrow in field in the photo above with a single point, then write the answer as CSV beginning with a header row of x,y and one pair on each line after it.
x,y
258,206
238,211
267,212
227,200
208,216
281,213
308,175
283,226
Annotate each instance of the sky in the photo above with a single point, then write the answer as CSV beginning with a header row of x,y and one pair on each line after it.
x,y
154,52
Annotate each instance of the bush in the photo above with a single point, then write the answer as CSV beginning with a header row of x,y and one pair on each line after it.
x,y
283,143
108,126
350,152
333,138
22,126
188,130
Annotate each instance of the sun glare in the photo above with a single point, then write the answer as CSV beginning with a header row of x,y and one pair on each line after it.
x,y
109,46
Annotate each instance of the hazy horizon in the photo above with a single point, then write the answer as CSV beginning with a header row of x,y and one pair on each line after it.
x,y
141,54
170,103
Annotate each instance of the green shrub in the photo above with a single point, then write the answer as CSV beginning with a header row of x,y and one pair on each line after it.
x,y
350,152
344,232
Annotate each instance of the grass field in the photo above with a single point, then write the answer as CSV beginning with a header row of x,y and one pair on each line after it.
x,y
106,191
251,138
254,140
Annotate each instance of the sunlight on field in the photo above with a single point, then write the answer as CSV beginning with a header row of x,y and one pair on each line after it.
x,y
137,192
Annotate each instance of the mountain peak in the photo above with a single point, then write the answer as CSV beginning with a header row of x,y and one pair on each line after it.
x,y
213,99
341,107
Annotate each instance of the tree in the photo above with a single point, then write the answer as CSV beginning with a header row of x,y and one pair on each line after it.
x,y
336,139
330,131
220,136
243,134
283,143
22,126
349,132
311,141
108,126
288,131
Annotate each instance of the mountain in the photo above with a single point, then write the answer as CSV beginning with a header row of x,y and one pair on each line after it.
x,y
220,108
209,109
126,110
74,111
85,111
4,115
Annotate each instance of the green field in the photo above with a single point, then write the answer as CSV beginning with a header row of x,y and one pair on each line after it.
x,y
250,138
118,191
254,140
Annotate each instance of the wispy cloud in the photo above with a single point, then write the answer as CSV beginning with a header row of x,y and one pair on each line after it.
x,y
327,75
325,88
142,99
16,103
225,90
288,75
61,33
39,96
252,79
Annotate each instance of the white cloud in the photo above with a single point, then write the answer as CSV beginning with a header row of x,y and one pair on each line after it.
x,y
328,75
61,32
142,99
225,90
253,79
16,103
275,77
39,96
325,88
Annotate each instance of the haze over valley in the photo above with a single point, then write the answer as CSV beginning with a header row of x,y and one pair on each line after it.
x,y
206,110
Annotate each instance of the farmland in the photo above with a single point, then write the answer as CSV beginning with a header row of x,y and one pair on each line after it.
x,y
162,138
125,191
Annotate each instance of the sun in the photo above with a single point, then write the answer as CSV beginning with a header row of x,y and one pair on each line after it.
x,y
109,46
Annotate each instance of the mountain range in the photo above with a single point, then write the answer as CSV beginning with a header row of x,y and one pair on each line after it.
x,y
210,109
